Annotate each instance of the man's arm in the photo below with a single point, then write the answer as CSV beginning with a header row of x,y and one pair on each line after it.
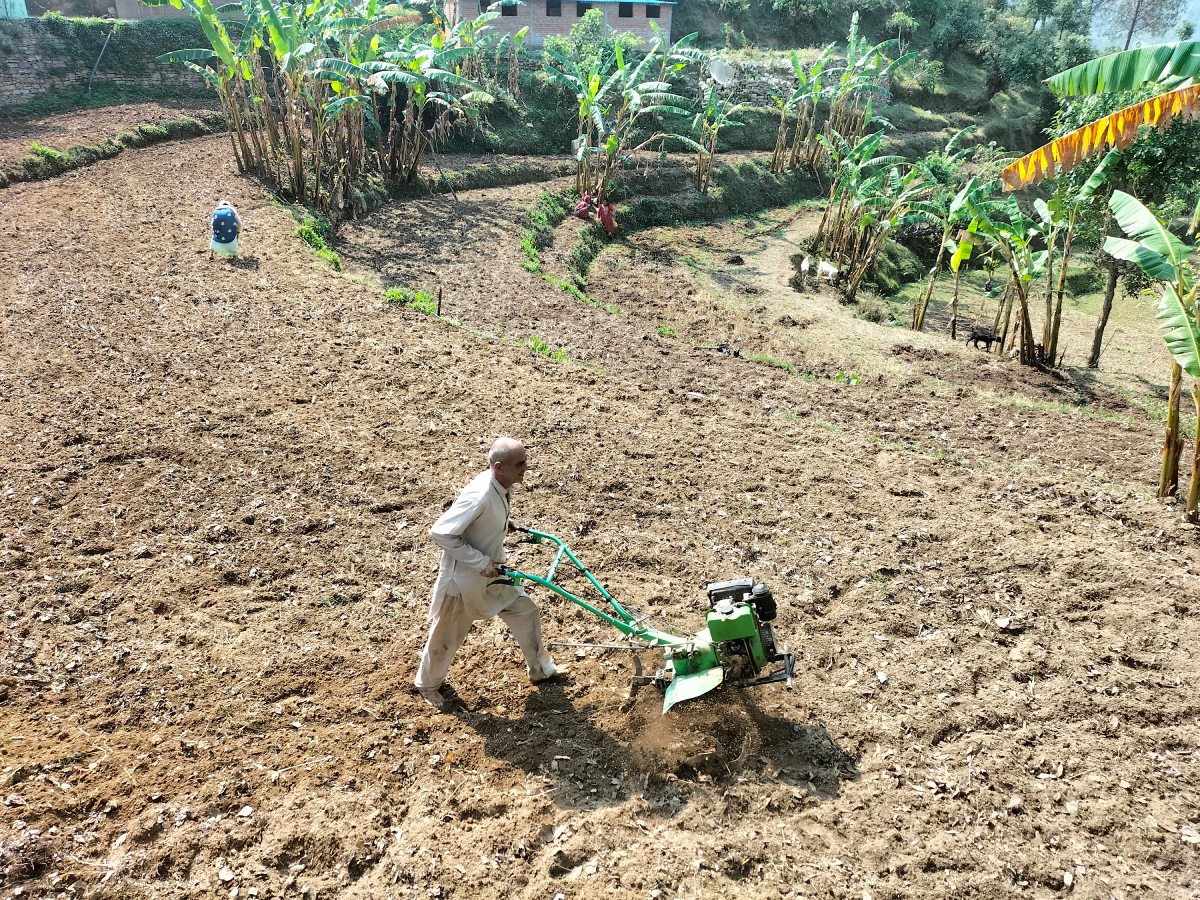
x,y
448,530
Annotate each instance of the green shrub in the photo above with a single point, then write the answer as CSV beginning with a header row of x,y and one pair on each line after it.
x,y
873,310
540,347
665,331
45,152
316,232
421,301
590,38
895,267
533,260
1086,282
773,361
580,295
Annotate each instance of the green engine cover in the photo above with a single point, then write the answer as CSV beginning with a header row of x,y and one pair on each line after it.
x,y
732,626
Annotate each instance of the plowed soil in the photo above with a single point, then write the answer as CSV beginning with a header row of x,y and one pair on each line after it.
x,y
217,484
89,126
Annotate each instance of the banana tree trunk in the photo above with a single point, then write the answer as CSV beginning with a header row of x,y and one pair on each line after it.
x,y
954,306
1052,343
1193,497
781,137
1168,479
1005,299
1007,314
1049,318
919,314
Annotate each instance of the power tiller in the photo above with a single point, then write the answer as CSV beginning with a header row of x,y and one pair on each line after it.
x,y
735,647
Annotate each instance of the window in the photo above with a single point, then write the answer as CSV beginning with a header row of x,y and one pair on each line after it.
x,y
508,9
554,8
625,10
581,8
653,11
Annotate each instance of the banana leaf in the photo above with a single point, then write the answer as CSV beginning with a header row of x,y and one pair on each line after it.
x,y
1178,321
1142,225
1167,64
1153,264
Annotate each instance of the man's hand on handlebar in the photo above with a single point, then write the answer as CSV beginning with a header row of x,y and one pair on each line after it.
x,y
491,571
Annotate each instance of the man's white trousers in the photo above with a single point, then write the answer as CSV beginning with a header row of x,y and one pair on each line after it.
x,y
453,622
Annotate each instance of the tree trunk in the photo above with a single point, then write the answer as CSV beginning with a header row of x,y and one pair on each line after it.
x,y
1110,288
1052,344
1193,497
954,306
1006,314
1133,23
1168,479
919,314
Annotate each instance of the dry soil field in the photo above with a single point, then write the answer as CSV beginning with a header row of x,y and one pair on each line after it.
x,y
214,573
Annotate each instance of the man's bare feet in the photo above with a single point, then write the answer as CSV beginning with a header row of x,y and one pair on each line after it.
x,y
433,697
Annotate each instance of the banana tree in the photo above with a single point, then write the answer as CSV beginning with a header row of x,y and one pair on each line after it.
x,y
960,250
1058,217
1173,69
512,43
588,88
1164,257
635,97
858,186
860,80
801,103
1014,236
715,113
942,208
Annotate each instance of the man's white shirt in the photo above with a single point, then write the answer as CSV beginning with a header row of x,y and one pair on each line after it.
x,y
471,534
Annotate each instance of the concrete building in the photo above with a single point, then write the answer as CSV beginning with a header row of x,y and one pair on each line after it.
x,y
547,17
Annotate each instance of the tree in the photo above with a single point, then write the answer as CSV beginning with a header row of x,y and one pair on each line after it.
x,y
1128,19
1163,257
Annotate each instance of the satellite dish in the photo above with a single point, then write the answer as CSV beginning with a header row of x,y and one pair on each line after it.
x,y
722,72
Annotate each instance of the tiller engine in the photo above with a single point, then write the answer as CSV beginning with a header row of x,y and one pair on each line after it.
x,y
736,646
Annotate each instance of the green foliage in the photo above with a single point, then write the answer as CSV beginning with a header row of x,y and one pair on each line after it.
x,y
872,310
134,46
317,232
45,152
421,301
541,219
532,261
895,267
580,295
591,39
847,377
665,331
540,347
1086,282
773,361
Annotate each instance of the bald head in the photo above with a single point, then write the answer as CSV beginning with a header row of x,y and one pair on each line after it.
x,y
507,459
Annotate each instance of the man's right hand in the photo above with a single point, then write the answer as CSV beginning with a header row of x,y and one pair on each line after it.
x,y
491,571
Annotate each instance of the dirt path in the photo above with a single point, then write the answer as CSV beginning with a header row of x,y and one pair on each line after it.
x,y
214,571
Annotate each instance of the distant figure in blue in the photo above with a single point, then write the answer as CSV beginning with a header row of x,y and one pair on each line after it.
x,y
226,223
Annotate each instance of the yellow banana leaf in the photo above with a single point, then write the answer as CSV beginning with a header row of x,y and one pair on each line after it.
x,y
1117,130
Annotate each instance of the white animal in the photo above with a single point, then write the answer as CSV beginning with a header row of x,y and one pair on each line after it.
x,y
828,271
804,267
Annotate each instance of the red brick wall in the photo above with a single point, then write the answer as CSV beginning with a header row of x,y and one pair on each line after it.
x,y
533,14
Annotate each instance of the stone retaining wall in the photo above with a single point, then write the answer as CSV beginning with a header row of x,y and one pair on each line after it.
x,y
40,56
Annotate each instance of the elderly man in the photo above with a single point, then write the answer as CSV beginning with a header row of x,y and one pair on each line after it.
x,y
471,535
